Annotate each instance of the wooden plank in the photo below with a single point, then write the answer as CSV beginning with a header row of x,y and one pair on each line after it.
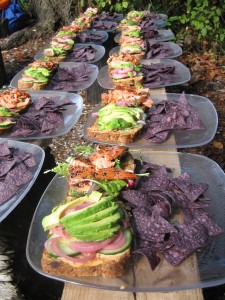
x,y
85,293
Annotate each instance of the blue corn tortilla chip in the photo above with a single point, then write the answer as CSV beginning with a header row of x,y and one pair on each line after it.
x,y
192,191
86,37
151,256
18,176
150,227
7,191
156,199
14,171
4,149
43,116
157,180
70,78
104,25
171,115
83,54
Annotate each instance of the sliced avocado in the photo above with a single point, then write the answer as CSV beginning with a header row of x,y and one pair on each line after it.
x,y
98,236
5,112
52,220
38,73
94,227
86,212
59,51
114,124
109,109
127,116
128,22
128,238
64,33
5,124
132,48
98,216
122,64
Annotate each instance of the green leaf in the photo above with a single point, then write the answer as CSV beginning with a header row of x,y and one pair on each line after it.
x,y
118,7
216,19
222,36
218,11
204,32
84,151
125,4
61,169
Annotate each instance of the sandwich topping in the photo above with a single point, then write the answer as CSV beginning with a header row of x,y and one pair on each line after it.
x,y
113,117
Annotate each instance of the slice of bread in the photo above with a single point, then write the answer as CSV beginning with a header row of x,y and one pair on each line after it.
x,y
22,84
55,59
123,136
103,265
128,82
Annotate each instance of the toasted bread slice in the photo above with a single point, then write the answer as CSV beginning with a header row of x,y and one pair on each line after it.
x,y
119,136
31,85
103,265
55,59
128,82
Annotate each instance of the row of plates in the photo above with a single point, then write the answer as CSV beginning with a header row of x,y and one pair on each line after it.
x,y
210,260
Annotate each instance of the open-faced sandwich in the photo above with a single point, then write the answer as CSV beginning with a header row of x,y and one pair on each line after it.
x,y
34,78
59,47
15,100
131,97
125,70
132,31
136,16
116,123
91,13
82,22
89,235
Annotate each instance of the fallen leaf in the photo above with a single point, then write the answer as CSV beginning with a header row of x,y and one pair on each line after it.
x,y
217,145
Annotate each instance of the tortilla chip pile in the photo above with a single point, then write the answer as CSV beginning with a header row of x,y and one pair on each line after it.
x,y
69,79
14,170
42,116
155,200
169,115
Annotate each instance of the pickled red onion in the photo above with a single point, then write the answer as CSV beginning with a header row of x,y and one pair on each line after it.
x,y
86,247
54,245
117,243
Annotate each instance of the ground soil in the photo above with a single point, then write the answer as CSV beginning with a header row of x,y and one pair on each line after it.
x,y
208,79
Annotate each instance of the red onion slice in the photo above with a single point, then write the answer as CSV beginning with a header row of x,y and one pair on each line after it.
x,y
81,259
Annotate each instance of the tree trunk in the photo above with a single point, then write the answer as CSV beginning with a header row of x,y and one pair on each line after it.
x,y
53,14
48,16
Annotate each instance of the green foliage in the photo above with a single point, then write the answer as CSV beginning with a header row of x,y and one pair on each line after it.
x,y
204,21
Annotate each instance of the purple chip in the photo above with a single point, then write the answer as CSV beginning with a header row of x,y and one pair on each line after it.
x,y
158,180
156,199
6,192
18,176
4,149
6,166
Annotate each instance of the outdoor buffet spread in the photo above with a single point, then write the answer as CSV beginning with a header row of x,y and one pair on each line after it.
x,y
108,209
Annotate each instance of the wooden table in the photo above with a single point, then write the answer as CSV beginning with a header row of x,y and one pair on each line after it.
x,y
75,292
